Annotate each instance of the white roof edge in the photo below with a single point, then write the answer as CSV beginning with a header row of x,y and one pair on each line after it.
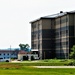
x,y
34,49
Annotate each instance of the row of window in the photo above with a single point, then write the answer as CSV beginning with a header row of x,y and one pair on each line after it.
x,y
60,21
34,46
62,28
33,25
36,26
62,55
62,40
6,54
61,51
36,34
5,58
62,45
62,33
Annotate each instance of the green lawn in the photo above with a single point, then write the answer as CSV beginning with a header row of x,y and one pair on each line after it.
x,y
47,62
36,71
26,68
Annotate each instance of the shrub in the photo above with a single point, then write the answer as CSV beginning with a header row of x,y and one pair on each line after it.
x,y
72,63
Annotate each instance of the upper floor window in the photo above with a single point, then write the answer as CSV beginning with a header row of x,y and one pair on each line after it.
x,y
33,25
64,20
59,21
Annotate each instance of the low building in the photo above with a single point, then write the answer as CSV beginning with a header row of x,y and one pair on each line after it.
x,y
23,55
8,54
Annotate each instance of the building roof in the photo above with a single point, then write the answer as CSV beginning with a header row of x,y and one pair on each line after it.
x,y
7,51
23,52
54,15
59,14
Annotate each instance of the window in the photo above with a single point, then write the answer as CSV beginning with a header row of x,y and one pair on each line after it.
x,y
34,35
39,33
38,46
64,20
57,34
64,28
57,44
58,29
57,40
63,33
7,57
8,54
34,45
33,25
57,22
67,33
64,44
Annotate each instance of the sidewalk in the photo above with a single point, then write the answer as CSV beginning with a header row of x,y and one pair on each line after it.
x,y
54,66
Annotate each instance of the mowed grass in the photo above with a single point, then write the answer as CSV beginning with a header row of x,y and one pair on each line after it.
x,y
47,62
36,71
23,69
50,61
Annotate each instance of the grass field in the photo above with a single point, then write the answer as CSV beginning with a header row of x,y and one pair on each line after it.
x,y
26,68
36,71
47,62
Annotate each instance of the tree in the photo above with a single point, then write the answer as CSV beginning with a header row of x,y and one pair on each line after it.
x,y
72,54
25,47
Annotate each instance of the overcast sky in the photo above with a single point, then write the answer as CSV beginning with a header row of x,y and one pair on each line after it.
x,y
15,16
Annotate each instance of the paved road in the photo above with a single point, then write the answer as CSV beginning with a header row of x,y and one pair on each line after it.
x,y
54,66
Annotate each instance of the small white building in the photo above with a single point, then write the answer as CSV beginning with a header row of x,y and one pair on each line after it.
x,y
22,55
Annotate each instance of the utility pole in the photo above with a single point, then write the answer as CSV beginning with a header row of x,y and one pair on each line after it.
x,y
10,52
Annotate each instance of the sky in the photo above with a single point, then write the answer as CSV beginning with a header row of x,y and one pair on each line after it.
x,y
16,15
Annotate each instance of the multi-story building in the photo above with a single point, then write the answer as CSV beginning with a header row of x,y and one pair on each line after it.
x,y
54,35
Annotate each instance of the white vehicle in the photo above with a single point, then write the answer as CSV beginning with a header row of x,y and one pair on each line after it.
x,y
35,56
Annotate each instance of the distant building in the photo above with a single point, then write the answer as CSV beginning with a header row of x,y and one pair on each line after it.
x,y
8,54
54,35
23,55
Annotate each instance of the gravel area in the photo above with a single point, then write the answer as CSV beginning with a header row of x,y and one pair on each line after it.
x,y
54,66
